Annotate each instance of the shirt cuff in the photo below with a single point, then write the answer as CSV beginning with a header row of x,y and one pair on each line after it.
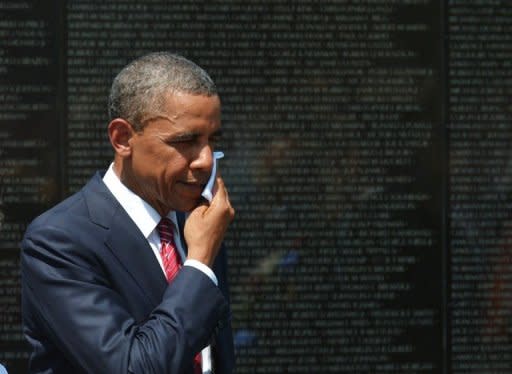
x,y
202,267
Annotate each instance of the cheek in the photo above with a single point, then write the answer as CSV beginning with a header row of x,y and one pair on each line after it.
x,y
174,170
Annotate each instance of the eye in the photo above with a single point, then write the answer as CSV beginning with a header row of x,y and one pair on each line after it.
x,y
182,139
186,140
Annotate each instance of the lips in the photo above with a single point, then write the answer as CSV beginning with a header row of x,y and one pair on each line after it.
x,y
192,189
194,183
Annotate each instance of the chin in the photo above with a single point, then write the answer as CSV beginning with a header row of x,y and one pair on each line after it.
x,y
188,206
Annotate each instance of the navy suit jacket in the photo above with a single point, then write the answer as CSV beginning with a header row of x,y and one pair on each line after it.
x,y
95,300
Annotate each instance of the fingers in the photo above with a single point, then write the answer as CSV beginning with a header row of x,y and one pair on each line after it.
x,y
207,224
201,208
221,198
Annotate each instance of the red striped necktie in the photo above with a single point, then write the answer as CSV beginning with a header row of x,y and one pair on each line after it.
x,y
172,264
168,252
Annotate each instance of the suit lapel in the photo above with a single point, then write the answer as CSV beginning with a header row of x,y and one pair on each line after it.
x,y
125,240
133,251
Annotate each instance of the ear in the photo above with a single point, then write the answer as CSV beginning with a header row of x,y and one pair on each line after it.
x,y
120,132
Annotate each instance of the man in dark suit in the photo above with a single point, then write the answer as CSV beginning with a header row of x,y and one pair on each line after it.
x,y
95,296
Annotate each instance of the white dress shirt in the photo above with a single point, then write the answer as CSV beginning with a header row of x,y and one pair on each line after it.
x,y
146,218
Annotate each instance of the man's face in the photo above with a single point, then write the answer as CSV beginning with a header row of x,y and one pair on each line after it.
x,y
171,158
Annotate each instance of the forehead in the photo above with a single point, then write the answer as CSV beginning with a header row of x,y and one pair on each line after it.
x,y
181,104
181,111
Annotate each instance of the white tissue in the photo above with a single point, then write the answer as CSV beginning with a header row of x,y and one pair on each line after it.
x,y
208,190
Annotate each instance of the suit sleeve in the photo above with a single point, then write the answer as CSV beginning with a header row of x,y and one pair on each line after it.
x,y
68,296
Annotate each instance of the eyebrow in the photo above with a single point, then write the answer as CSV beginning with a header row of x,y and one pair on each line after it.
x,y
188,135
183,136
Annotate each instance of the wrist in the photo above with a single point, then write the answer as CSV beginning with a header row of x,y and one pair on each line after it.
x,y
203,268
206,260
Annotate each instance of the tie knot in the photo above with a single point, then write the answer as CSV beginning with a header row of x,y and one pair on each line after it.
x,y
164,228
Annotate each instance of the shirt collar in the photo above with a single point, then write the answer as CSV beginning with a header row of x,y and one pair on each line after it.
x,y
144,215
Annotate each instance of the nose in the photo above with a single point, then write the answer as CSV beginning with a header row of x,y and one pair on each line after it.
x,y
204,159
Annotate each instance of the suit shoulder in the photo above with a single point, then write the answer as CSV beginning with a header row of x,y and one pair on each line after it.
x,y
61,214
65,234
76,208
